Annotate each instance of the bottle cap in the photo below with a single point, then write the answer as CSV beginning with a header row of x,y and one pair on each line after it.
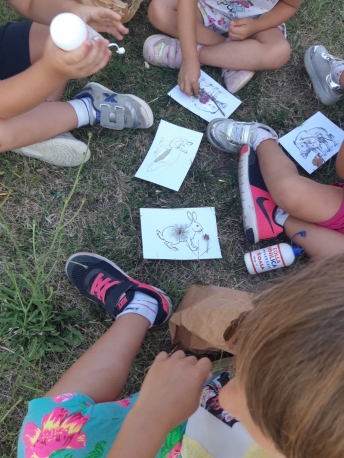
x,y
297,250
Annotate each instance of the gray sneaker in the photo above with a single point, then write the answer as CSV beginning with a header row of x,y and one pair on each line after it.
x,y
116,111
229,136
319,64
63,150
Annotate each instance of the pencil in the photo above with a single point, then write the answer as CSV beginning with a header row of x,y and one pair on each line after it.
x,y
212,98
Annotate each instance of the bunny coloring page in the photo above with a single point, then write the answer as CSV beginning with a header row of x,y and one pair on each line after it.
x,y
179,233
314,142
171,155
213,100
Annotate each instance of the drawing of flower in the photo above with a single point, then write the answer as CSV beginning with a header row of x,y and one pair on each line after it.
x,y
57,433
63,397
124,403
221,21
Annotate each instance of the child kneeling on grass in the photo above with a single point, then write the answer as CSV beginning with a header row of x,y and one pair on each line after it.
x,y
256,38
285,399
34,73
275,198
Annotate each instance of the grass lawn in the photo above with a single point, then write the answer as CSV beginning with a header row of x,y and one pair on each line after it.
x,y
36,346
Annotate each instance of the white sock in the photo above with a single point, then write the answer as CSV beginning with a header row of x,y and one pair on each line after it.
x,y
280,216
143,305
83,109
261,135
337,71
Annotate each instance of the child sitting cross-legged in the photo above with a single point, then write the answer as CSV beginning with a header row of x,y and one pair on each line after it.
x,y
284,402
34,73
275,198
238,36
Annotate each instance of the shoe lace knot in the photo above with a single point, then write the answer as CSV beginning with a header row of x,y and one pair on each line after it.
x,y
101,285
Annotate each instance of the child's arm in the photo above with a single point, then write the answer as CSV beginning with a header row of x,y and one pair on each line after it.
x,y
169,395
240,29
340,162
190,70
28,89
43,11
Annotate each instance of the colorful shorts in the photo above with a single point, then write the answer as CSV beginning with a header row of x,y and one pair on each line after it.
x,y
220,23
336,223
73,426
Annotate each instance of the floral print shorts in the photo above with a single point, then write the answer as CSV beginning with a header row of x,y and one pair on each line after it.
x,y
73,426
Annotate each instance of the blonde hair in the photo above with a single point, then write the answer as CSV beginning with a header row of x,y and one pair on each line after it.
x,y
290,361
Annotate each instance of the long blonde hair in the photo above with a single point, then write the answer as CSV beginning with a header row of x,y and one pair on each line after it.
x,y
290,361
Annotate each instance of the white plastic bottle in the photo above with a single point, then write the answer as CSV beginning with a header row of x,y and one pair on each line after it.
x,y
69,31
272,257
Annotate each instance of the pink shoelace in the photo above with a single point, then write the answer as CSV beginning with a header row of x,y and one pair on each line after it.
x,y
101,285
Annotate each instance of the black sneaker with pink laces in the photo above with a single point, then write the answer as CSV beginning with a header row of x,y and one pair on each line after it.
x,y
104,283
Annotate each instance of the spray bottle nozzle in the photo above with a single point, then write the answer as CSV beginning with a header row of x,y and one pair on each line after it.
x,y
119,50
296,248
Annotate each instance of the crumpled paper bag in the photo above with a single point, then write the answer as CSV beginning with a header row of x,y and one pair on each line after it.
x,y
207,319
125,9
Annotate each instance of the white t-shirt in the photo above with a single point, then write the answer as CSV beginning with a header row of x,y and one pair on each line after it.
x,y
237,9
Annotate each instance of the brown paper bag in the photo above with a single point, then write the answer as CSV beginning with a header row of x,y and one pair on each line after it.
x,y
201,323
125,9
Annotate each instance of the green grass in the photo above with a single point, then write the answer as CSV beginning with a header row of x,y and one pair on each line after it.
x,y
109,223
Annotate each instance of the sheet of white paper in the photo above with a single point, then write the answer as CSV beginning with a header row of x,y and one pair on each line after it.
x,y
203,105
313,143
178,233
169,158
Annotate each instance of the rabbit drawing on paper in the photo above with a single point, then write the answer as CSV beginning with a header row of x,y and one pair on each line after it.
x,y
182,233
168,153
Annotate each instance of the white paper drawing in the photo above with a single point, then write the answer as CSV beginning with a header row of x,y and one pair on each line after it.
x,y
179,233
169,158
213,101
313,143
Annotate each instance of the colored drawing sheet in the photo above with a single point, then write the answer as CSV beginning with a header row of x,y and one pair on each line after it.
x,y
170,157
313,143
179,233
213,101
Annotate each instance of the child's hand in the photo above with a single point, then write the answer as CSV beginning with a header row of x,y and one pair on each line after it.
x,y
84,61
171,391
240,29
101,19
188,77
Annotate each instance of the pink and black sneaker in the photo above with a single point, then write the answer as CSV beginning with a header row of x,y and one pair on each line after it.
x,y
257,205
104,283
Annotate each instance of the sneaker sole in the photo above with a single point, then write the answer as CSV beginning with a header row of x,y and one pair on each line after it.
x,y
317,86
147,108
62,152
101,258
247,201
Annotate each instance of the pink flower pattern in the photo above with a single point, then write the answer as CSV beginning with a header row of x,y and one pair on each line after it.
x,y
58,432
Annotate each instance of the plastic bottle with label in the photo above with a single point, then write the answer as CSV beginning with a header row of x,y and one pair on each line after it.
x,y
273,257
69,31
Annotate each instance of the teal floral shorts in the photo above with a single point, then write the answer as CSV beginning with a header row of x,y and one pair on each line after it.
x,y
73,426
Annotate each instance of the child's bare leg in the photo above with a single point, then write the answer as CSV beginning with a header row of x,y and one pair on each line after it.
x,y
319,241
45,121
102,371
37,39
162,14
342,79
266,50
301,197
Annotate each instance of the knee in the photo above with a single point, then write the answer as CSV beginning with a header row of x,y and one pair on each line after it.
x,y
286,196
276,55
156,13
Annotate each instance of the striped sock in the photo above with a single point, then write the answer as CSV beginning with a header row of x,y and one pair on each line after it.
x,y
84,110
